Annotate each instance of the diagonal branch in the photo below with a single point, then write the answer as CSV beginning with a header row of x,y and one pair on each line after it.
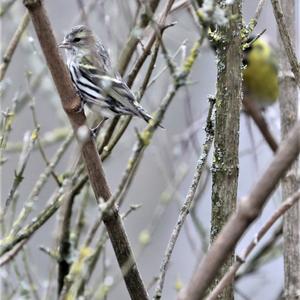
x,y
286,40
240,259
71,105
9,52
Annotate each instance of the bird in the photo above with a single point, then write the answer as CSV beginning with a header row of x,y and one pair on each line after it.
x,y
260,73
101,88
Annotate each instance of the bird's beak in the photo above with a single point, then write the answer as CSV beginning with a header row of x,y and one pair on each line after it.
x,y
65,45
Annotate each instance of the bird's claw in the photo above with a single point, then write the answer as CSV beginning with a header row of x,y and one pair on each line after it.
x,y
95,130
82,102
94,133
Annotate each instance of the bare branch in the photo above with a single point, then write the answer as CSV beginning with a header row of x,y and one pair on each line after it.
x,y
286,40
258,118
9,52
288,104
240,259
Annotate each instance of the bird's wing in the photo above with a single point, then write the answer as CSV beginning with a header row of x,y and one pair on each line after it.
x,y
102,55
118,91
112,90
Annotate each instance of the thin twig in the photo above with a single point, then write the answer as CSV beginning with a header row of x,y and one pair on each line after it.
x,y
75,281
32,282
257,14
37,128
6,6
9,256
83,12
188,201
28,142
132,40
259,258
55,202
47,139
252,109
286,40
80,220
9,52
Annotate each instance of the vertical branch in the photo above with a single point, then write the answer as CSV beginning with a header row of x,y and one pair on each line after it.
x,y
286,38
64,242
228,101
288,101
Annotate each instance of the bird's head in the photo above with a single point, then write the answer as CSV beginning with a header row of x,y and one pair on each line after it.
x,y
79,39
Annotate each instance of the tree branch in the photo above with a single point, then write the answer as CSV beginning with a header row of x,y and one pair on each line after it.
x,y
252,109
288,104
240,259
286,40
225,168
9,52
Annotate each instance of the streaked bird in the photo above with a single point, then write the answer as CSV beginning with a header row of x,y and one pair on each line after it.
x,y
102,89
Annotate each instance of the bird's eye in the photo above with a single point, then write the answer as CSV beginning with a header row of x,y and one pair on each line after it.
x,y
75,40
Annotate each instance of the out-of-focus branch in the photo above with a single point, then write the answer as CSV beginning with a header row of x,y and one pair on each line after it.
x,y
286,40
11,254
28,142
240,259
64,242
49,138
252,109
147,51
248,210
71,104
5,6
33,196
67,189
76,282
257,14
263,255
9,52
288,103
133,39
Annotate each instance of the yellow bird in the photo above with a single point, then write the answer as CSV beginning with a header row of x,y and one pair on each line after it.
x,y
261,73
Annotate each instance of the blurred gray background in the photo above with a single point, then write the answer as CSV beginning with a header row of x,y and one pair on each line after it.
x,y
170,152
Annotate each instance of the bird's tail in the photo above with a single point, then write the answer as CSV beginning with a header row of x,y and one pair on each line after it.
x,y
144,115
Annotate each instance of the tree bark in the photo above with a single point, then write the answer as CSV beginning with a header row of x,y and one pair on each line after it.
x,y
225,168
288,101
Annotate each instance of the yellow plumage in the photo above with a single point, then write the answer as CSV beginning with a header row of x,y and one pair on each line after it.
x,y
261,73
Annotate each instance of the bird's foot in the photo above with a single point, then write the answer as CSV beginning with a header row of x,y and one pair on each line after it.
x,y
81,108
95,130
82,102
